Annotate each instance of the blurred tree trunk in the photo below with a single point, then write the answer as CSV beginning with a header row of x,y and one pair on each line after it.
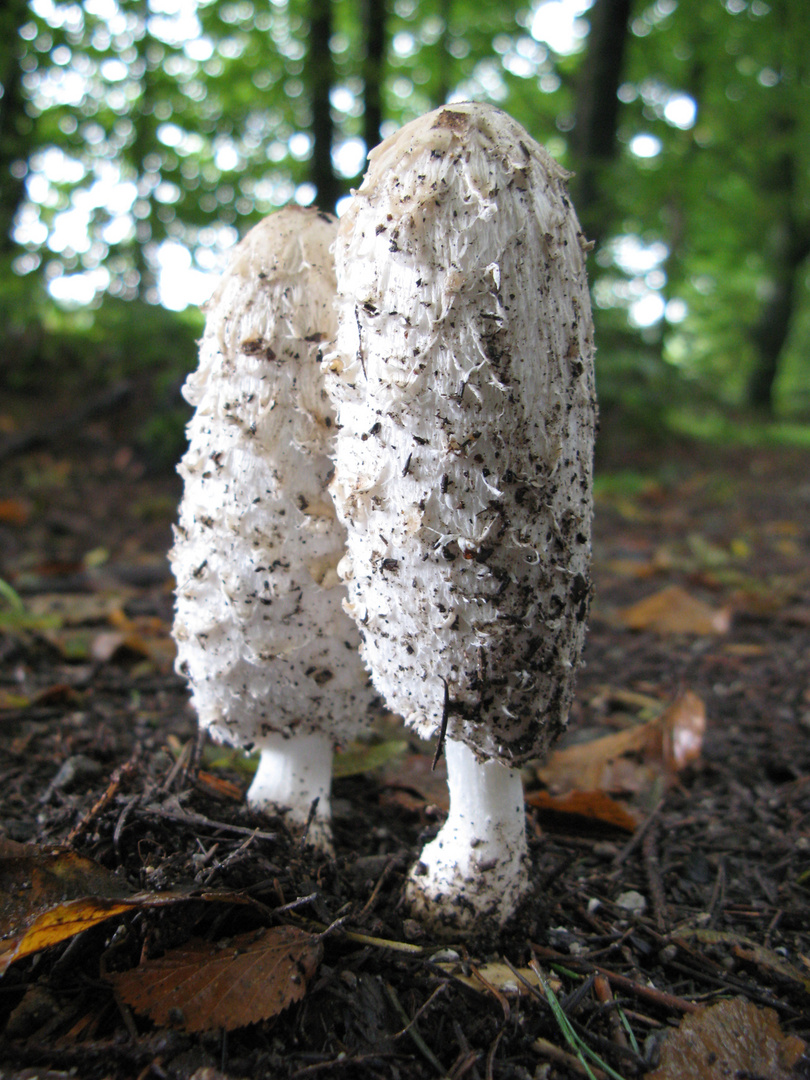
x,y
787,249
783,181
15,124
374,20
593,141
320,78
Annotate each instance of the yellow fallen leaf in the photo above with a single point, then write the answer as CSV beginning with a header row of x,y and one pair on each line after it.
x,y
497,975
48,895
675,611
58,924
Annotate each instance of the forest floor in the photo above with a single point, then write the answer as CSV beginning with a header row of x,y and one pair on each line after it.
x,y
670,911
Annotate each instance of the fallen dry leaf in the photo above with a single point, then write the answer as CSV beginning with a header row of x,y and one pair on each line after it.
x,y
58,924
10,700
675,611
749,951
358,757
732,1038
77,609
412,783
229,984
594,805
48,895
663,745
219,787
14,511
496,975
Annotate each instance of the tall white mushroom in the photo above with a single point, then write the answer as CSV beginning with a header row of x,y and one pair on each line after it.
x,y
269,653
463,374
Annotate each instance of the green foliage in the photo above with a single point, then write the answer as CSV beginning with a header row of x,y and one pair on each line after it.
x,y
122,121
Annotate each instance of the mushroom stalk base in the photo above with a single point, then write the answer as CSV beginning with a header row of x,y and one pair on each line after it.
x,y
475,870
293,772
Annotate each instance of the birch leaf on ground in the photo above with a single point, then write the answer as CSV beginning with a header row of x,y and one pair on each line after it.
x,y
229,984
732,1038
611,763
675,611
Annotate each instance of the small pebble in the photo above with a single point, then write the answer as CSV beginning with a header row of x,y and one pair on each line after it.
x,y
632,901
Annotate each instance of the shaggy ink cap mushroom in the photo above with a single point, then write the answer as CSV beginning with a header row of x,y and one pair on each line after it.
x,y
463,377
269,653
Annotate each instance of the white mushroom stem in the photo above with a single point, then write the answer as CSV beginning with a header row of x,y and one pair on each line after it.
x,y
296,772
477,864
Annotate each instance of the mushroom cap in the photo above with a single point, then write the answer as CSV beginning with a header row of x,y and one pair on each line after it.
x,y
260,629
463,376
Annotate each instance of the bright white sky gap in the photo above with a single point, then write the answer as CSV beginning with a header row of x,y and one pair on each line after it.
x,y
184,280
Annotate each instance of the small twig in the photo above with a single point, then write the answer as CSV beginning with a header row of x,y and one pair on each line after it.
x,y
394,861
604,993
490,1073
338,1063
179,766
366,939
649,848
423,1047
422,1009
190,818
313,809
130,804
577,1044
635,839
229,859
649,993
562,1057
443,729
124,772
468,1057
126,1016
295,904
499,997
718,894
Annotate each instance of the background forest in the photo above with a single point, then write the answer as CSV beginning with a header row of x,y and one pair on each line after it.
x,y
140,138
670,837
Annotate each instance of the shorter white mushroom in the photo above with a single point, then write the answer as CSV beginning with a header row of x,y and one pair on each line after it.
x,y
269,653
463,376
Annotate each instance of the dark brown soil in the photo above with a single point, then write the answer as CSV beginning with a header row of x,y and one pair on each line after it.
x,y
722,860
